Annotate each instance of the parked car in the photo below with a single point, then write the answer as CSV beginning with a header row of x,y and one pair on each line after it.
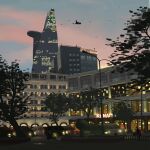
x,y
27,131
6,132
113,129
74,131
38,131
88,128
55,132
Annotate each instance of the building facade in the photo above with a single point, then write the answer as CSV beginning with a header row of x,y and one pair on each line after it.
x,y
114,89
45,46
73,60
113,86
47,57
88,60
79,73
70,59
38,88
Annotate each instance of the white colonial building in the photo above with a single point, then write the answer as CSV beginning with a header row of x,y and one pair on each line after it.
x,y
113,86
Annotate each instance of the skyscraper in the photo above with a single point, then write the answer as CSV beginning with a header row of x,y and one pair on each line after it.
x,y
48,58
45,46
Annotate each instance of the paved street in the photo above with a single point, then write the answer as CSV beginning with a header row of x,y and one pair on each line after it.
x,y
58,145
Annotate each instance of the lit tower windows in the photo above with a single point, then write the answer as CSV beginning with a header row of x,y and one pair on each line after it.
x,y
45,51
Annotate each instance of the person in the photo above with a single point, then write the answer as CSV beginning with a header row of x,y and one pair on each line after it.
x,y
138,132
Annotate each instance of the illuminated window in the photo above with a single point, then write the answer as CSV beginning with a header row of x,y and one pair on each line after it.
x,y
53,77
43,76
35,60
52,86
135,105
46,61
51,22
52,41
43,86
148,106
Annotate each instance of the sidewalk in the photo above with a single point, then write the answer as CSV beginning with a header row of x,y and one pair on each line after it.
x,y
13,140
94,139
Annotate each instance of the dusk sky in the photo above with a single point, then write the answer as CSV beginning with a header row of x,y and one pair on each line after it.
x,y
100,19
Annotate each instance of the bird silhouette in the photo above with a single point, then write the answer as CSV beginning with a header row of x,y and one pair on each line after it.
x,y
77,22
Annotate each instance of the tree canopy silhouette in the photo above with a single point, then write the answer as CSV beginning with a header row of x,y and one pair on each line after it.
x,y
132,47
85,101
12,84
123,112
57,104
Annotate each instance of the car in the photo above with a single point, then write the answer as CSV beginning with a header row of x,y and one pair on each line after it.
x,y
6,132
113,129
74,131
88,128
55,132
27,131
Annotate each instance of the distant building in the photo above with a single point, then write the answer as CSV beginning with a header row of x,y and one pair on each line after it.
x,y
45,46
78,72
69,59
47,58
39,87
72,60
114,88
88,61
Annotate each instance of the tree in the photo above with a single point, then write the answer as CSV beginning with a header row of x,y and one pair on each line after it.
x,y
138,86
12,102
85,102
132,48
123,112
57,104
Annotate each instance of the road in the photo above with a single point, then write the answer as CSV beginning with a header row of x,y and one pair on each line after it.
x,y
37,144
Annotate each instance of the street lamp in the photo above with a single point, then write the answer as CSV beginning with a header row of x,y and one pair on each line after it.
x,y
100,86
35,115
142,81
101,98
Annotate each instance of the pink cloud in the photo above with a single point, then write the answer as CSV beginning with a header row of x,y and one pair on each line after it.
x,y
26,18
32,20
23,21
13,33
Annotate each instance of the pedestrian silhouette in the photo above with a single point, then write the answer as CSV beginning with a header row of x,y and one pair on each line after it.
x,y
138,132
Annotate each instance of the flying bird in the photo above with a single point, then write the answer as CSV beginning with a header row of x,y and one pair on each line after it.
x,y
77,22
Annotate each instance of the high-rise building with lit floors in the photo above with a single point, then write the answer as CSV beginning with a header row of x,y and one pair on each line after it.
x,y
45,46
